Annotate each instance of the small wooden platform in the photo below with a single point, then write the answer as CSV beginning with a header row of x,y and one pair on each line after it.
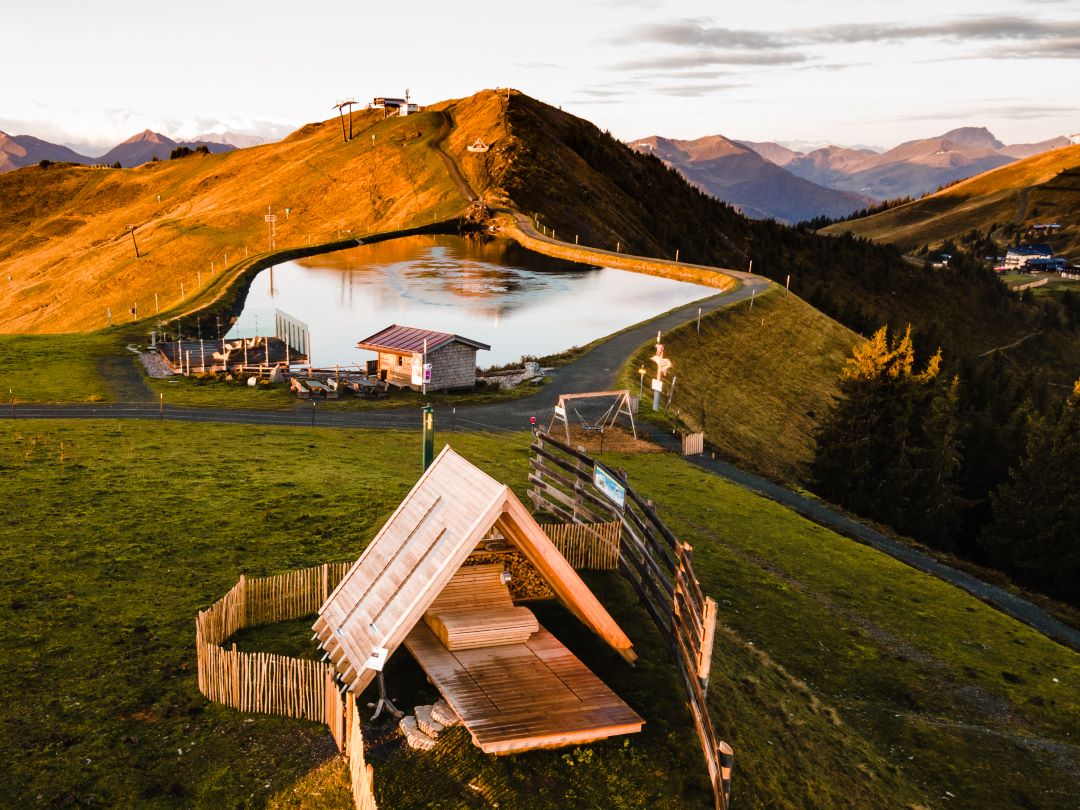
x,y
519,697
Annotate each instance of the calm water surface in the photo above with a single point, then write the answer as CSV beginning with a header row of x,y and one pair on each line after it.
x,y
494,291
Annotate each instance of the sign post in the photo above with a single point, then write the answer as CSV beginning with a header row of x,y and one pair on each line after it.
x,y
663,365
428,415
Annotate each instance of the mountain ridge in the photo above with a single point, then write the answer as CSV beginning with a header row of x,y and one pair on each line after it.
x,y
737,174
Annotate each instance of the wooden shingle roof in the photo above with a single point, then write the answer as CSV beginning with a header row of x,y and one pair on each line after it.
x,y
423,544
410,340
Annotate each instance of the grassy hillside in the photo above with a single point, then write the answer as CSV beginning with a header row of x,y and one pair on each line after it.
x,y
841,677
64,237
1003,202
756,379
63,229
63,243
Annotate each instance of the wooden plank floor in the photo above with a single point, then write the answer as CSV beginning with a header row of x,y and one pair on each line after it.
x,y
518,697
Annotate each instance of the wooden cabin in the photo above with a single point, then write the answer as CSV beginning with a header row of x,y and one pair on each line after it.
x,y
402,357
425,581
478,146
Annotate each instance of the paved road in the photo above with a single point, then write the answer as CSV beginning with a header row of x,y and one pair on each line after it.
x,y
593,371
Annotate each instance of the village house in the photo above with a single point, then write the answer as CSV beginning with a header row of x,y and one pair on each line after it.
x,y
407,355
1017,258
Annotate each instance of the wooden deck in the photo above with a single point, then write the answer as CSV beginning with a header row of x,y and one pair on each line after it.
x,y
518,697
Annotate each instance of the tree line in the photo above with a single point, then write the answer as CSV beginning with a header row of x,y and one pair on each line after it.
x,y
978,460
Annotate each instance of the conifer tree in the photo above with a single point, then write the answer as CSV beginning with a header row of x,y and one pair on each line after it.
x,y
889,449
1035,534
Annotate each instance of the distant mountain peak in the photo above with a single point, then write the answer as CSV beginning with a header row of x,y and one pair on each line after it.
x,y
978,137
149,136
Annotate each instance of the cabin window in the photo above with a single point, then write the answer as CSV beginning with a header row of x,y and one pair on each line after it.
x,y
400,360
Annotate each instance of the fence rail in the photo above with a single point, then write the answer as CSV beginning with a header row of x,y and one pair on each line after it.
x,y
658,566
593,546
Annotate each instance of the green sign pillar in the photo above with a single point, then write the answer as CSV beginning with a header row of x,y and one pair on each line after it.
x,y
428,414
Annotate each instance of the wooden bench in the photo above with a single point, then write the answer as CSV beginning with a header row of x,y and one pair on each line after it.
x,y
475,610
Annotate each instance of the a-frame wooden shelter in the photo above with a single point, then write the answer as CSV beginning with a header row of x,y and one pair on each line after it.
x,y
514,685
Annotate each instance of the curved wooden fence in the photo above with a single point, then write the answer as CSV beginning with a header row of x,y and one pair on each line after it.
x,y
278,684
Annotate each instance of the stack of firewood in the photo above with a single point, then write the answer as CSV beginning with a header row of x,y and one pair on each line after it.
x,y
525,581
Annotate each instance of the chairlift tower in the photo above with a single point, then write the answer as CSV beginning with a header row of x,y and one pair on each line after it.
x,y
340,107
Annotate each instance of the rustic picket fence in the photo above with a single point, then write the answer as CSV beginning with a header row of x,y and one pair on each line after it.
x,y
693,444
277,684
361,775
593,546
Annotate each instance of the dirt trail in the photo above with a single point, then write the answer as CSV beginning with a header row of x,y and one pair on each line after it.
x,y
451,165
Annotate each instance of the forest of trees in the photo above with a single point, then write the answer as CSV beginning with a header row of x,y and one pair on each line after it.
x,y
980,461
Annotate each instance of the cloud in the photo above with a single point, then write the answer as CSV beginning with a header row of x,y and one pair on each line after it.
x,y
982,27
704,58
696,90
696,33
997,108
540,66
695,43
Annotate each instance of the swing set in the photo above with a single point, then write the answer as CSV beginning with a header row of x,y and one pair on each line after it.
x,y
587,410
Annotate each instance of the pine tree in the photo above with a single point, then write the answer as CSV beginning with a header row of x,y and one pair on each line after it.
x,y
1035,534
890,448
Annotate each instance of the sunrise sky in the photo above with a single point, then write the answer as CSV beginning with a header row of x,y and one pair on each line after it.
x,y
875,73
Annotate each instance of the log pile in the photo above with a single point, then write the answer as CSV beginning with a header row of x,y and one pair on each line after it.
x,y
525,581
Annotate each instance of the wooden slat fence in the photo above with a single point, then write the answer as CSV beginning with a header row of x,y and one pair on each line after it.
x,y
361,776
693,444
278,684
293,595
659,567
593,546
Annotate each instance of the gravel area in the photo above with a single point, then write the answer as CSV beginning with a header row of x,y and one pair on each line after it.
x,y
155,365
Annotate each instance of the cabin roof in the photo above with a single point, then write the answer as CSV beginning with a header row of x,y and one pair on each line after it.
x,y
417,551
409,340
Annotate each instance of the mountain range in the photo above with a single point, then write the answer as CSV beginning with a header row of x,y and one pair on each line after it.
x,y
837,180
753,184
17,151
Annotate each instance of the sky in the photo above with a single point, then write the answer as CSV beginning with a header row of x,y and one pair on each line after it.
x,y
865,72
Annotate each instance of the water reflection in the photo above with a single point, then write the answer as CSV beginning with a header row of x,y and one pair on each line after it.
x,y
491,290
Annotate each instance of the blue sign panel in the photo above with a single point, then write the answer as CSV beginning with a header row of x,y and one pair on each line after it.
x,y
610,486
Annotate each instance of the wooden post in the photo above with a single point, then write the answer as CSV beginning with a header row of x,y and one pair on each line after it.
x,y
676,255
699,320
788,285
708,638
202,356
